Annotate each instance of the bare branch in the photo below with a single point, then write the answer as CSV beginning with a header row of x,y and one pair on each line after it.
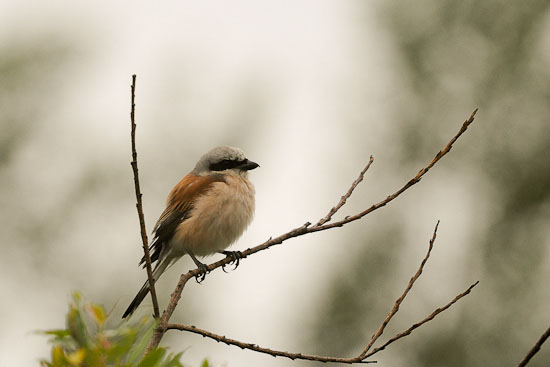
x,y
311,357
257,348
139,204
305,229
402,297
418,324
333,211
535,348
410,183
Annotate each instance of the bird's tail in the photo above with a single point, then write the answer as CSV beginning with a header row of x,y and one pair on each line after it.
x,y
140,296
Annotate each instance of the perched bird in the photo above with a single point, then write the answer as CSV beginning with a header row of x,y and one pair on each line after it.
x,y
205,213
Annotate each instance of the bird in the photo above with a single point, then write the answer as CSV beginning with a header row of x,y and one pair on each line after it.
x,y
206,212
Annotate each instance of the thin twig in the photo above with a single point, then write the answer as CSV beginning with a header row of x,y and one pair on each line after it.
x,y
139,204
410,183
535,348
300,231
257,348
402,297
340,204
418,324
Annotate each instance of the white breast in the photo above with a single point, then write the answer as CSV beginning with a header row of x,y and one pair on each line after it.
x,y
218,219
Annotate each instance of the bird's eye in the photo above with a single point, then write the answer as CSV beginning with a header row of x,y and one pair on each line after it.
x,y
224,164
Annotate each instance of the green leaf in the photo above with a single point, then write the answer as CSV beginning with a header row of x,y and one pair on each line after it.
x,y
121,343
77,357
205,363
139,347
98,313
77,297
58,357
153,358
88,341
58,333
174,361
77,327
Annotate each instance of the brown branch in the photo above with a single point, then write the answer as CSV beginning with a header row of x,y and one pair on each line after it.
x,y
302,230
418,324
402,297
344,198
405,187
257,348
311,357
139,204
535,348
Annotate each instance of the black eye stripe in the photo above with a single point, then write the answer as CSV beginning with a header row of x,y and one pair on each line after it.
x,y
225,164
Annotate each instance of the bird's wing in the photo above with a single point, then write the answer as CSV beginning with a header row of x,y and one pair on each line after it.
x,y
179,205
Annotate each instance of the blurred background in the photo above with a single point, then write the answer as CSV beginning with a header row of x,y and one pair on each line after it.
x,y
309,89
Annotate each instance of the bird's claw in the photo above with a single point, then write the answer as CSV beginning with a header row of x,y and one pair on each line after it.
x,y
235,257
201,275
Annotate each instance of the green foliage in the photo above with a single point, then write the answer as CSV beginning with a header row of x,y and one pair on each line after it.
x,y
88,342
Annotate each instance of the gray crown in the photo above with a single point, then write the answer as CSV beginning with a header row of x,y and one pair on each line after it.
x,y
218,154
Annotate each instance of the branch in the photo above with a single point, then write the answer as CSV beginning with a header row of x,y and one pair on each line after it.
x,y
139,204
311,357
418,324
402,297
535,348
405,187
305,229
257,348
344,198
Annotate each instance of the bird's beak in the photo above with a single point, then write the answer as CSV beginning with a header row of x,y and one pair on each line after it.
x,y
248,165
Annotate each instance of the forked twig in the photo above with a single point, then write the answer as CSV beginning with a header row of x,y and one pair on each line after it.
x,y
311,357
405,187
418,324
344,198
402,297
139,204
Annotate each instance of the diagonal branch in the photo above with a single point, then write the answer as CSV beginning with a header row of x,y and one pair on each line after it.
x,y
405,187
139,204
300,231
402,297
418,324
344,198
535,348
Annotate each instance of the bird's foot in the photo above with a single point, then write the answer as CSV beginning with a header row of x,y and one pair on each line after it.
x,y
203,270
235,257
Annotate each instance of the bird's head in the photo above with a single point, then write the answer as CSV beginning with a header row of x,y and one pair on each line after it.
x,y
224,159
